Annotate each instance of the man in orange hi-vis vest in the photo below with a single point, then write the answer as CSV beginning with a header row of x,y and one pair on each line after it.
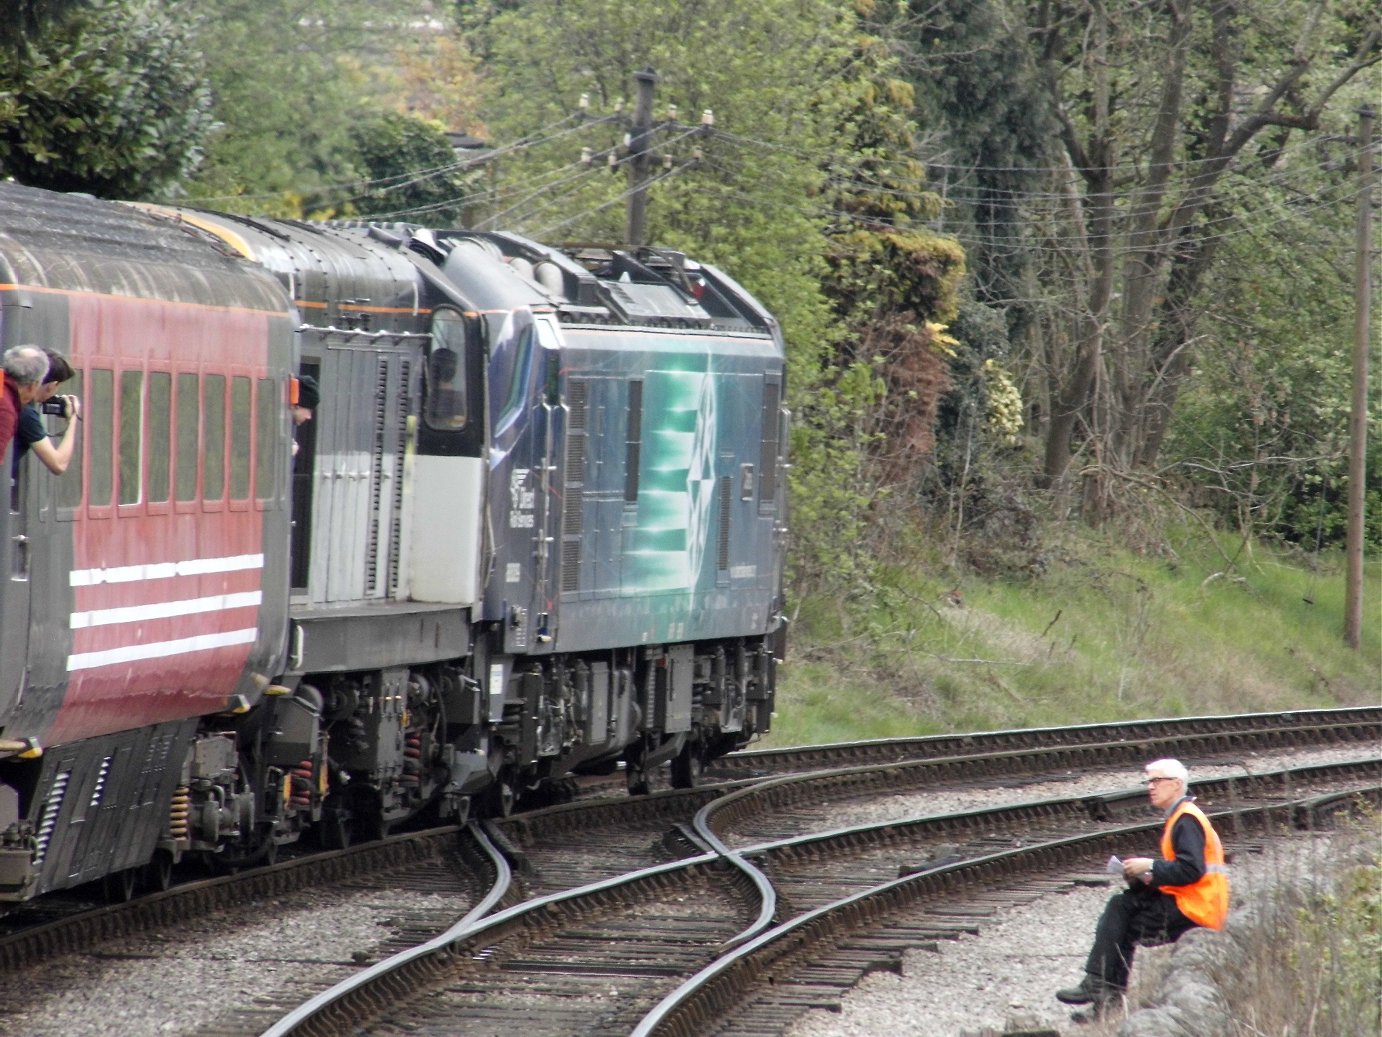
x,y
1187,887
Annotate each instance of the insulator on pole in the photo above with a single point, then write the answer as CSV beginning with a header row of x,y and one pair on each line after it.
x,y
707,118
587,156
613,161
672,112
584,102
618,106
666,161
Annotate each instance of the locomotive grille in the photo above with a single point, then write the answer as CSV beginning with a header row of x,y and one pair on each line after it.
x,y
722,554
376,489
767,460
573,485
396,512
52,806
632,444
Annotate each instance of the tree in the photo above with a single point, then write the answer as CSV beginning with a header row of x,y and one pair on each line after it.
x,y
1159,106
291,83
413,172
106,97
1261,432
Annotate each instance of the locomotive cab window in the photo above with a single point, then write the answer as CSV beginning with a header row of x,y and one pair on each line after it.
x,y
446,377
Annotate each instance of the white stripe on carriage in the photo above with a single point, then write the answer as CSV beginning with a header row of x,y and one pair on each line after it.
x,y
164,609
161,649
165,570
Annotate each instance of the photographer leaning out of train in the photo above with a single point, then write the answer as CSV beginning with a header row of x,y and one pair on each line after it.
x,y
23,368
32,433
1187,887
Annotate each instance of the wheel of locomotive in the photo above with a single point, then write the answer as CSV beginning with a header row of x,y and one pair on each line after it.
x,y
334,833
500,798
637,780
368,824
687,766
157,875
119,886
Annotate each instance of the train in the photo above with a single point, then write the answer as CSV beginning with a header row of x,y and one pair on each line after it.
x,y
535,528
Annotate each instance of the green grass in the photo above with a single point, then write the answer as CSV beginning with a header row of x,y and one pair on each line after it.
x,y
1101,633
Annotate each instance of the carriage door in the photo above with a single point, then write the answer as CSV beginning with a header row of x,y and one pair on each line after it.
x,y
14,595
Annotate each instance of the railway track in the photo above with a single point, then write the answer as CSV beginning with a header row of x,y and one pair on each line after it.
x,y
593,840
811,959
600,959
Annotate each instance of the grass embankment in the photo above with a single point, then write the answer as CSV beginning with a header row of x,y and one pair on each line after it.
x,y
1091,632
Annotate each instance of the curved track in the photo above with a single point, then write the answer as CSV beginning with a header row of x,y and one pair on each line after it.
x,y
590,961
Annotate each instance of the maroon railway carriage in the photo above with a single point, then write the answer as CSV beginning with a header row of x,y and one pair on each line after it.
x,y
146,589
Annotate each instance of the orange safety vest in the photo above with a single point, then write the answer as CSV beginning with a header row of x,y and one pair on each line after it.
x,y
1204,901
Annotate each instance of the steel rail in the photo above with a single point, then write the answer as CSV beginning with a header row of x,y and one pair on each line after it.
x,y
321,1003
342,1009
1039,737
721,986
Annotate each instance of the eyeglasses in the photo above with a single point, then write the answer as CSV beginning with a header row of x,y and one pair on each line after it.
x,y
1153,781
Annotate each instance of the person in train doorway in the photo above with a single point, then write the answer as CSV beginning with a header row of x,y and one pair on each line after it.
x,y
308,398
24,368
1187,887
32,433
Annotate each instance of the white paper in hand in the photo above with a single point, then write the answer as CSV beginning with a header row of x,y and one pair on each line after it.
x,y
1114,866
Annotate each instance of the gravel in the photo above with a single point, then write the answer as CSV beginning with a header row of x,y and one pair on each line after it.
x,y
308,942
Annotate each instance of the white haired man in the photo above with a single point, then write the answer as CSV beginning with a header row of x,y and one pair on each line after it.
x,y
1186,887
24,369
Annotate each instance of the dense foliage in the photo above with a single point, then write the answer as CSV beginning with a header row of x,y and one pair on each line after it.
x,y
105,96
1030,260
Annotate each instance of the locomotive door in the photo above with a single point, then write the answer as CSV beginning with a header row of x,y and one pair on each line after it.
x,y
525,490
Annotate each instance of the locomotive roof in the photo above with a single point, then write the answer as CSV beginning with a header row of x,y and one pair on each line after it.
x,y
585,284
336,278
74,242
601,284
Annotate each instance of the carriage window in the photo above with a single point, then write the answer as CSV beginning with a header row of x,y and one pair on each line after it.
x,y
214,437
239,438
265,442
446,372
70,489
99,417
131,434
186,434
160,452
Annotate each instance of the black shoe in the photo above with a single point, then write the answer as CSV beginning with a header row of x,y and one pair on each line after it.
x,y
1093,990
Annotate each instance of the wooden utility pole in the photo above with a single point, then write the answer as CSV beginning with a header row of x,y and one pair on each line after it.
x,y
1358,423
639,158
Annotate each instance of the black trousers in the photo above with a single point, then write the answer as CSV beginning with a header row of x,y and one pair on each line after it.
x,y
1138,913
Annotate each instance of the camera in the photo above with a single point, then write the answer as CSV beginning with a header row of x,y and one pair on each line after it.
x,y
57,406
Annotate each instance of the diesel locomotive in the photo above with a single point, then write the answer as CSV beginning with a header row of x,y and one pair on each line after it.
x,y
536,527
